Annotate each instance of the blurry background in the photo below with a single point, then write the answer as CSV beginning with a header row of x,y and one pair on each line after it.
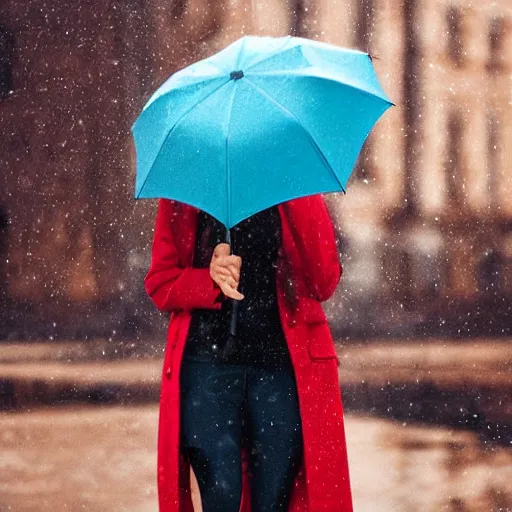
x,y
422,316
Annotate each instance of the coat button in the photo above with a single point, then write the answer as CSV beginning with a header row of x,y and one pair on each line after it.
x,y
168,372
292,322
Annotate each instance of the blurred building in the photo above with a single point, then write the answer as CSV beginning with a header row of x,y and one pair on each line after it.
x,y
437,252
425,227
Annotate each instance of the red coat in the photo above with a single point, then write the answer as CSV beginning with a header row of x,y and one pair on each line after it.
x,y
308,256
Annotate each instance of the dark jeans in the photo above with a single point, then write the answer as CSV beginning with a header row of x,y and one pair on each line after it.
x,y
224,406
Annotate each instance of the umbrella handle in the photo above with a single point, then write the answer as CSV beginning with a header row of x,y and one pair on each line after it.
x,y
234,310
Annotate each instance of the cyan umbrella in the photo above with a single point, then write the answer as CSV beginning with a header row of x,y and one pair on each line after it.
x,y
263,121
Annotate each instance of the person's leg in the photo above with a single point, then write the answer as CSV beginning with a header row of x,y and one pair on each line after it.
x,y
275,433
211,401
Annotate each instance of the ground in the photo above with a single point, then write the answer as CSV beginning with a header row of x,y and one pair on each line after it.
x,y
103,459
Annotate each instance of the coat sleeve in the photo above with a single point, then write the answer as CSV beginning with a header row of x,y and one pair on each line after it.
x,y
170,285
313,234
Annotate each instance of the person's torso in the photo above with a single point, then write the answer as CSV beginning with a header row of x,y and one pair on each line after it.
x,y
260,338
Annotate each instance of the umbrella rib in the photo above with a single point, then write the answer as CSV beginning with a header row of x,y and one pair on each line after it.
x,y
240,52
172,129
294,73
228,170
230,116
200,80
310,137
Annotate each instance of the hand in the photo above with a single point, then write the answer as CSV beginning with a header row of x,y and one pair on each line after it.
x,y
225,271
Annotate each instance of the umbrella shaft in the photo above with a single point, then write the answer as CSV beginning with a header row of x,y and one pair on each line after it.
x,y
234,312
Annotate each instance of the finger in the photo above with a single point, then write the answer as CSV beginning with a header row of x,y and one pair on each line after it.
x,y
226,280
235,260
234,294
231,292
234,283
221,249
220,279
230,281
232,260
235,272
231,267
236,263
225,261
220,271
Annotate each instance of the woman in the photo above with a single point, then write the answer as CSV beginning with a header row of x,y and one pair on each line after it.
x,y
262,427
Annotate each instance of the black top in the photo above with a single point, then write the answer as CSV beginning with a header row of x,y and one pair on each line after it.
x,y
260,338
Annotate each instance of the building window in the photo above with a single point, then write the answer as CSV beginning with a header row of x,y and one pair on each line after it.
x,y
397,265
179,8
453,157
4,224
496,37
454,22
299,11
364,24
364,168
6,61
405,278
490,272
493,156
413,100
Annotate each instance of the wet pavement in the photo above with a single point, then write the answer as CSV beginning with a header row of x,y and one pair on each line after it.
x,y
456,384
71,455
103,459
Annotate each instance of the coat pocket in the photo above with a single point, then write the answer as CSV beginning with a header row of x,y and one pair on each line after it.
x,y
320,343
310,311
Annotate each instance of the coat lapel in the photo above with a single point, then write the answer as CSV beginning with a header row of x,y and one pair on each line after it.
x,y
185,232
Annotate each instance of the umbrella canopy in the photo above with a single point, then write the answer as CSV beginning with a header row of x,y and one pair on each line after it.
x,y
263,121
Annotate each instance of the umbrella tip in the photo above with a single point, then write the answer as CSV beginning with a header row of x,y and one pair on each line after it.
x,y
236,75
